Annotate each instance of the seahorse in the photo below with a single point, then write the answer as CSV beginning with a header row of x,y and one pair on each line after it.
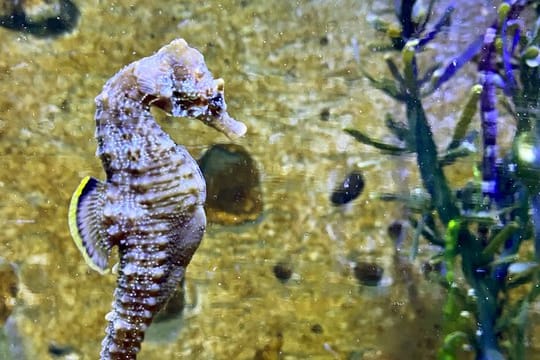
x,y
151,204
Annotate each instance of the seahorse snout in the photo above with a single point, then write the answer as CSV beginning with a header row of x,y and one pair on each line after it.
x,y
224,123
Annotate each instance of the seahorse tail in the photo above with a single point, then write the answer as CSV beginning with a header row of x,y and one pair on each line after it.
x,y
128,322
138,297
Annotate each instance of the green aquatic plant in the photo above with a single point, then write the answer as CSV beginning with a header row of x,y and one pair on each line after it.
x,y
484,225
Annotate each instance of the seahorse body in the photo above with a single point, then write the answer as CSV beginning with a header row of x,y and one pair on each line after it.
x,y
151,204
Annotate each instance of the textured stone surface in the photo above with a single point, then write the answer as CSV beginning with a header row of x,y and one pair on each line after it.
x,y
349,189
280,77
42,18
368,273
233,186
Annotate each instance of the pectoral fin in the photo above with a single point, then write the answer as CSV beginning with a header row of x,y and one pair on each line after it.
x,y
85,225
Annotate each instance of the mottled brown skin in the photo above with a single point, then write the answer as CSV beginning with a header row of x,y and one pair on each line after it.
x,y
151,205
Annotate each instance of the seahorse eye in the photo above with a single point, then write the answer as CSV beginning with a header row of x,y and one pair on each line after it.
x,y
216,103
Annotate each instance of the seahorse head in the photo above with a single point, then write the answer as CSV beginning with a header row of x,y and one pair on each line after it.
x,y
177,80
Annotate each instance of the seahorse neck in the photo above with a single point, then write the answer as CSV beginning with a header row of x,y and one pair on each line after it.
x,y
123,104
127,114
128,136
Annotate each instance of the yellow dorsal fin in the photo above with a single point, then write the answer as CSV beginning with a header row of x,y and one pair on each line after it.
x,y
85,225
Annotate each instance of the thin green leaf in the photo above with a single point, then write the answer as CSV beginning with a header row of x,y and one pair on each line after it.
x,y
380,25
428,14
364,139
410,71
504,260
451,340
534,38
428,232
381,47
388,86
399,129
466,117
394,69
432,174
481,217
416,238
417,201
464,149
513,315
505,103
520,273
499,239
531,56
429,74
518,280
